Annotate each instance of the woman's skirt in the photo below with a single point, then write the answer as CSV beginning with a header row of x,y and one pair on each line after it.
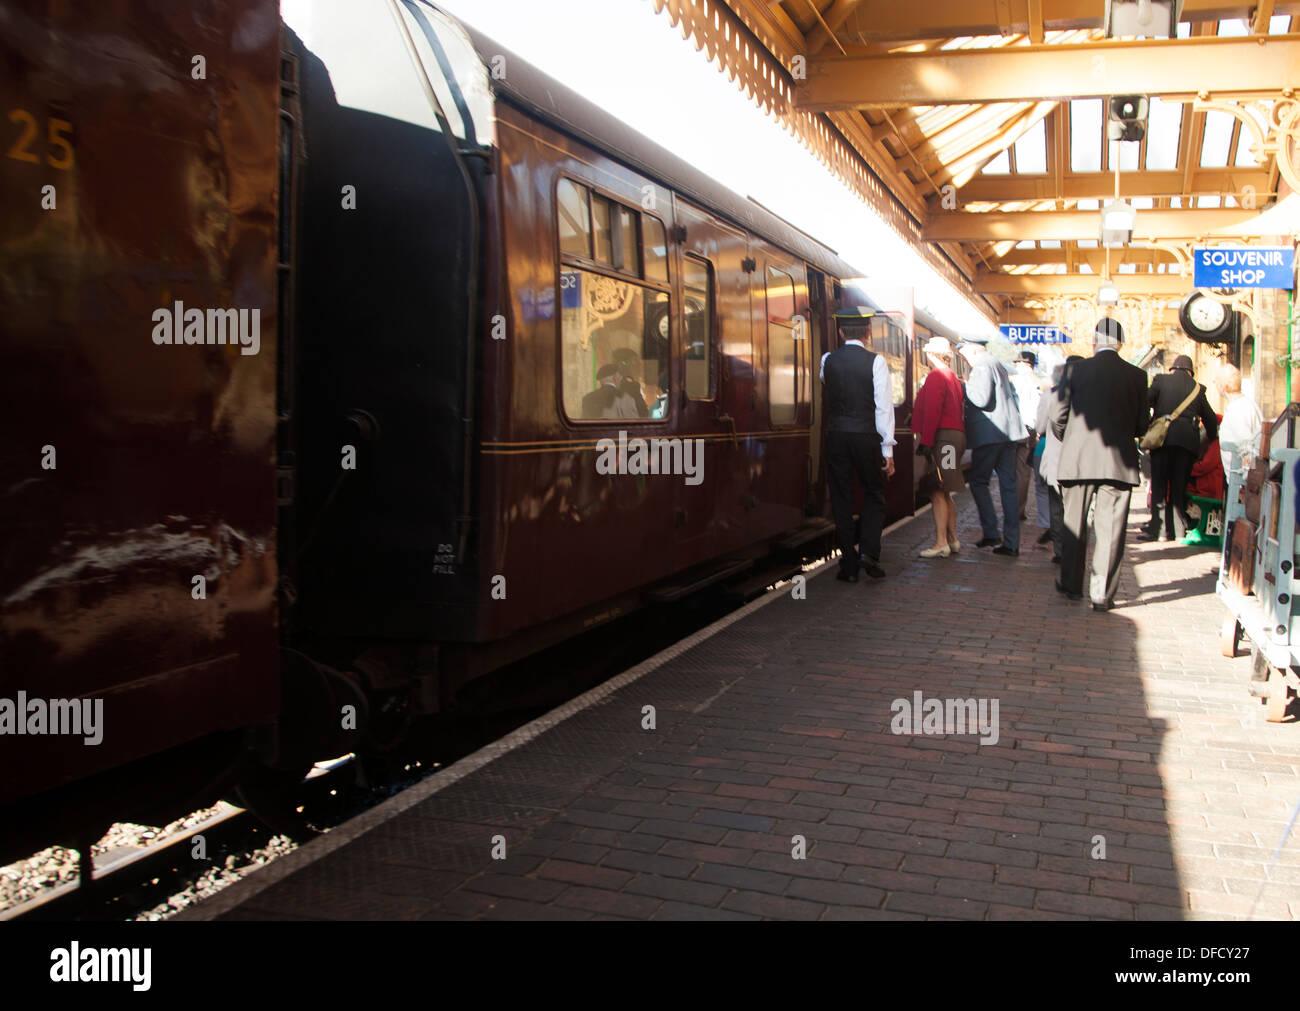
x,y
945,460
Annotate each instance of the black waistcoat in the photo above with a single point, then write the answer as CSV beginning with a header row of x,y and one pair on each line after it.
x,y
851,390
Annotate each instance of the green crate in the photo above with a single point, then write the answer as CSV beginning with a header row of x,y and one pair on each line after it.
x,y
1208,513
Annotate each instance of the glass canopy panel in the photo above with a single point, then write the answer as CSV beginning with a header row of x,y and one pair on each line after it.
x,y
999,166
1085,135
1218,137
1031,150
1126,153
1164,129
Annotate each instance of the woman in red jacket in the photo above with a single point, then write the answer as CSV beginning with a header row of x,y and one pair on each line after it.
x,y
937,420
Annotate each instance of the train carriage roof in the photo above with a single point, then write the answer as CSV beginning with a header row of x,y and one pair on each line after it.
x,y
935,327
533,91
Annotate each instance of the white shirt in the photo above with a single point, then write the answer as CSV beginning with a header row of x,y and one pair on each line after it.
x,y
884,395
1239,433
1027,392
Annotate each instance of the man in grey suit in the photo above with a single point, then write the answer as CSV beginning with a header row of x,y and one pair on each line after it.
x,y
1099,410
993,429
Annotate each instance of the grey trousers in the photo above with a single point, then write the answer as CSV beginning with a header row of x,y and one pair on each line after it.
x,y
1110,523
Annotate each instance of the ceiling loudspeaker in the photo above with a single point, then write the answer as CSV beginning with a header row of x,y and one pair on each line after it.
x,y
1127,117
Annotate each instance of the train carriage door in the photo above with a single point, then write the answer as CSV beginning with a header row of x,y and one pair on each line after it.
x,y
779,452
818,345
714,382
890,338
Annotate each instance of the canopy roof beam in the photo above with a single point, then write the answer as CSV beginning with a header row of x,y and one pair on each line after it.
x,y
1101,185
947,19
1012,313
1224,66
1021,285
1018,226
819,38
1093,257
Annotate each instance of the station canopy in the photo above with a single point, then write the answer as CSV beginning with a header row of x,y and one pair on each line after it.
x,y
979,130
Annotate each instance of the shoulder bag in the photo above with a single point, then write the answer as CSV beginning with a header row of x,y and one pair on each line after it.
x,y
1155,437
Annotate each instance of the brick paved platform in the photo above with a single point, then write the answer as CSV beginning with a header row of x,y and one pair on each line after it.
x,y
1126,729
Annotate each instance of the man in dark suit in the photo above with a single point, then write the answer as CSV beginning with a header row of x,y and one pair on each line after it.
x,y
1171,464
860,439
1099,410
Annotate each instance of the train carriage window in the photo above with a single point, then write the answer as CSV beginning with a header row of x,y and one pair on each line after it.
x,y
697,280
614,329
783,349
601,231
656,249
615,354
353,37
574,212
890,341
920,364
628,242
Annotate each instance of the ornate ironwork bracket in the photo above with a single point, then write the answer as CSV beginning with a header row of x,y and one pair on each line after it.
x,y
1283,128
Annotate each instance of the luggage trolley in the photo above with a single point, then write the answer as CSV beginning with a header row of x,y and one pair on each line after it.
x,y
1257,564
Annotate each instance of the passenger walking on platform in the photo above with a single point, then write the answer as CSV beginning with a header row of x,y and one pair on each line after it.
x,y
1049,464
860,439
1098,413
993,430
1242,424
1028,394
1171,463
937,420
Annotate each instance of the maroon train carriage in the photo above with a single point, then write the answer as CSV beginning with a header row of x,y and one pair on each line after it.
x,y
406,486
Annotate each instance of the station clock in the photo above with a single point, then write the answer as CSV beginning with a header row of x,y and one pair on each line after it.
x,y
1205,320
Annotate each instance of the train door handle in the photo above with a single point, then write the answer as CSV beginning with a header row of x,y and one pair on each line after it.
x,y
727,419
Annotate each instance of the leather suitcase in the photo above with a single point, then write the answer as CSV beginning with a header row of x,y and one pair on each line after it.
x,y
1241,556
1255,478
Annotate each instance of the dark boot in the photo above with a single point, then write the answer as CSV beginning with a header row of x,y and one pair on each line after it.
x,y
1150,530
1175,523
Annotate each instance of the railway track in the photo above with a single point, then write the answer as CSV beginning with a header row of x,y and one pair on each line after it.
x,y
128,877
127,880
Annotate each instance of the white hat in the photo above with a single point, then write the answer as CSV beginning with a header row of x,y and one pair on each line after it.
x,y
938,346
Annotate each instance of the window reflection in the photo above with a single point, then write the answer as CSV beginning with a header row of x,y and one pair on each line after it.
x,y
783,350
697,279
615,352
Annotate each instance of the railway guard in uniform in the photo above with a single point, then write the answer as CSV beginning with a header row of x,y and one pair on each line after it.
x,y
860,439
